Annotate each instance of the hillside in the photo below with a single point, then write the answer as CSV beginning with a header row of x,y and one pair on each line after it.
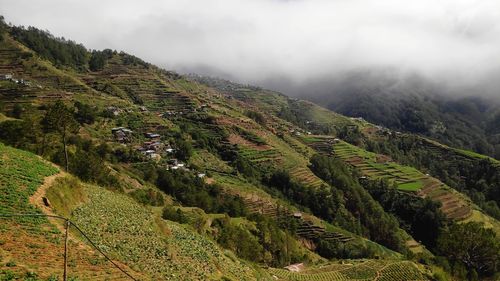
x,y
409,103
191,178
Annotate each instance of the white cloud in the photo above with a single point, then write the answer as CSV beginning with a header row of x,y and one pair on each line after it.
x,y
253,40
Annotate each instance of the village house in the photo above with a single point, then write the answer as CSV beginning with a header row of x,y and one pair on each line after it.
x,y
295,267
152,136
358,119
6,77
169,113
121,134
114,110
152,145
173,162
155,157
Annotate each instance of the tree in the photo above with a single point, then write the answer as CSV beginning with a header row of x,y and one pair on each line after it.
x,y
59,119
98,59
85,114
17,111
471,245
184,150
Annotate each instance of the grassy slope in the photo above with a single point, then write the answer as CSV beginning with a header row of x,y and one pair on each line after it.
x,y
119,225
33,247
162,249
151,85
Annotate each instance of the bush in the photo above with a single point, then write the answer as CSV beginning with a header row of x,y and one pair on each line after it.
x,y
192,191
148,197
85,114
174,214
256,116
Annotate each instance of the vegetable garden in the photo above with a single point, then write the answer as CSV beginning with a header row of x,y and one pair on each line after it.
x,y
130,232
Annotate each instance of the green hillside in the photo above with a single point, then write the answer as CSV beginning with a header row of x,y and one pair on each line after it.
x,y
193,178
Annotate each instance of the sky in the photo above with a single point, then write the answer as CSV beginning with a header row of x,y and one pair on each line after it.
x,y
284,42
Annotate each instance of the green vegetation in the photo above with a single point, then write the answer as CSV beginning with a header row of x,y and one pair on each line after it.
x,y
376,166
32,247
231,181
265,242
469,246
356,270
194,192
59,118
21,169
374,222
130,232
476,176
59,51
420,217
470,123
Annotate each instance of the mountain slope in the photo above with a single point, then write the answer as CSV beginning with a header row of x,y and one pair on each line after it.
x,y
414,104
242,169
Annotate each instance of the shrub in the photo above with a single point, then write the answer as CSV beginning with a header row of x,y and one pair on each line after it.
x,y
174,214
148,196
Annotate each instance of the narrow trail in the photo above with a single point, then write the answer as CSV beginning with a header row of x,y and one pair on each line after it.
x,y
37,198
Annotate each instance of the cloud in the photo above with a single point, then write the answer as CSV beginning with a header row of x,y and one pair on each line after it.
x,y
290,41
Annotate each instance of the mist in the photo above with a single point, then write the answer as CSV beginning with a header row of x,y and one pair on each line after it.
x,y
288,45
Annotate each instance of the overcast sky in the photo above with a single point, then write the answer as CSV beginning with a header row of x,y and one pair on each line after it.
x,y
295,40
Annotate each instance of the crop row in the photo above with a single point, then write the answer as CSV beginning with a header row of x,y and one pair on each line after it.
x,y
371,270
130,233
376,166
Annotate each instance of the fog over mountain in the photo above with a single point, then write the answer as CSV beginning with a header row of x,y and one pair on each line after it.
x,y
288,45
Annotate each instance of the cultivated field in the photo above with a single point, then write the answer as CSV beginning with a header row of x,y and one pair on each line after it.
x,y
31,248
376,166
162,249
362,270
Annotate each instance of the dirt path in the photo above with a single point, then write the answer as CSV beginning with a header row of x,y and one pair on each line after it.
x,y
37,199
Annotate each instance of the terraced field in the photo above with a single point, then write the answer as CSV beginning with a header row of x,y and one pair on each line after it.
x,y
365,270
380,167
321,144
267,157
43,78
162,249
307,227
375,166
305,176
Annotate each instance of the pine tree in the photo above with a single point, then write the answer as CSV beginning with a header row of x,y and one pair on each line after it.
x,y
59,119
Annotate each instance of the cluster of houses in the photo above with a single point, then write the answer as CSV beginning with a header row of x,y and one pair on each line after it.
x,y
172,113
153,147
174,164
10,77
